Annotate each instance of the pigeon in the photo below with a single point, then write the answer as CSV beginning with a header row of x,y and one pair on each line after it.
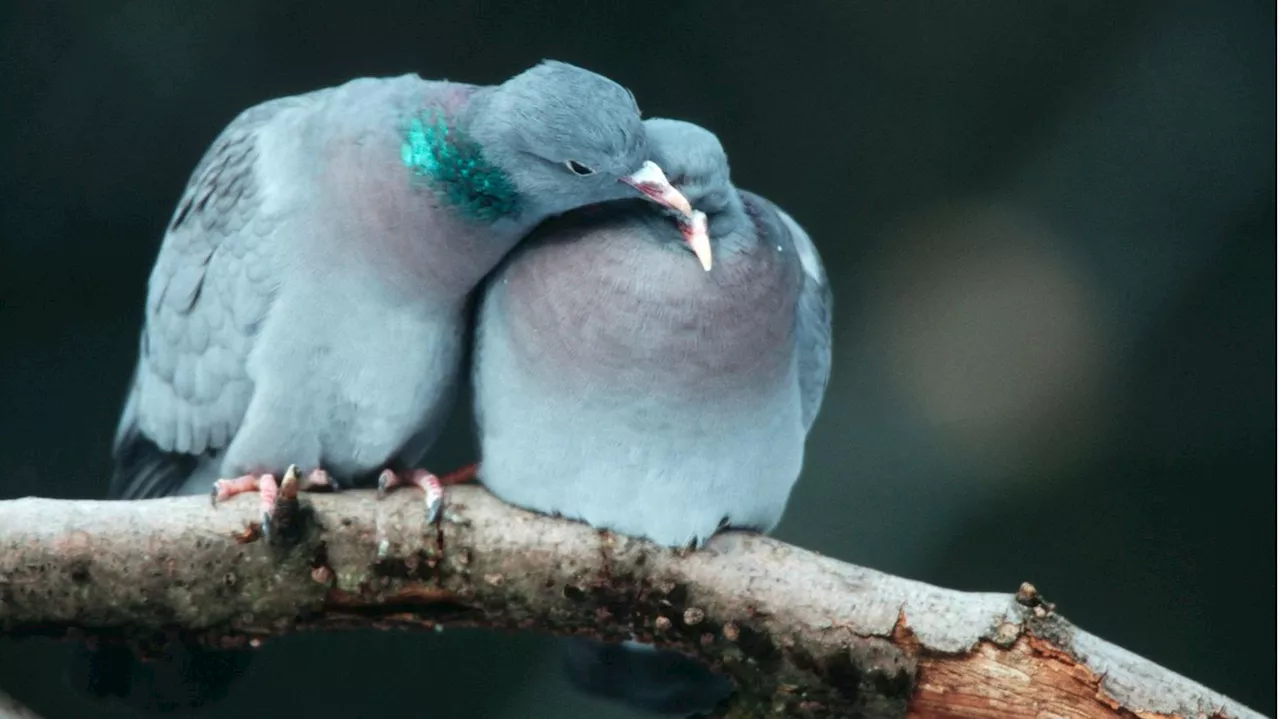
x,y
309,305
619,383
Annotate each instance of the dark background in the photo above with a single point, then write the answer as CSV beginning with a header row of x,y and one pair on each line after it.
x,y
1050,228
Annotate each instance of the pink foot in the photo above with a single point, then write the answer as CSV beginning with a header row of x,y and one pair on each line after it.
x,y
461,476
268,490
430,484
319,480
263,484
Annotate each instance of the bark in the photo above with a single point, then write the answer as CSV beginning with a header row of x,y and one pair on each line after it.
x,y
799,633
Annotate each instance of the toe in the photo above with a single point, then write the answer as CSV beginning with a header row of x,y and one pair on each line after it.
x,y
319,480
434,505
461,476
289,484
434,492
386,480
268,491
224,489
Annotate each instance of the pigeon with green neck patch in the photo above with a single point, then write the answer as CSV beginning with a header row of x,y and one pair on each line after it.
x,y
309,303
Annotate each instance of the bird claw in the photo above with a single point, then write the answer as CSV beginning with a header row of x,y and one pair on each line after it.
x,y
279,501
225,489
318,480
431,485
434,498
290,484
428,482
386,480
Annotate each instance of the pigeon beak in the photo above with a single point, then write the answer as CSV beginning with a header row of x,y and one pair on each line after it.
x,y
653,183
695,235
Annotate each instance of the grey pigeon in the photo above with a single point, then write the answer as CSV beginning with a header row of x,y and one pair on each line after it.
x,y
618,383
309,303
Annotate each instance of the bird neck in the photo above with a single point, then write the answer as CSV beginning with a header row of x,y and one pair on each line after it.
x,y
727,221
439,151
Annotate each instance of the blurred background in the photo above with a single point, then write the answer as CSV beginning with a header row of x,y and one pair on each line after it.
x,y
1050,228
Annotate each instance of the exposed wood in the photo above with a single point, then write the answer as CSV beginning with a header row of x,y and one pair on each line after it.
x,y
801,634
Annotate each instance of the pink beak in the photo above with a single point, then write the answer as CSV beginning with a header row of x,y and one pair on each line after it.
x,y
695,235
651,181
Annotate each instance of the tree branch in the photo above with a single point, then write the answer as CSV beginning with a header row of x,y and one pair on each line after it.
x,y
800,634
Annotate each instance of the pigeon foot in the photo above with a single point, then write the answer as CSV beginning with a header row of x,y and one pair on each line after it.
x,y
430,484
277,499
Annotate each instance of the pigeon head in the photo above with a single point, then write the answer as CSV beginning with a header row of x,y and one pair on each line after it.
x,y
698,167
565,137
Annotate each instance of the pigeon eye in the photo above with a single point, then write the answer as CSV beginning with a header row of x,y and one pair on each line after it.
x,y
578,168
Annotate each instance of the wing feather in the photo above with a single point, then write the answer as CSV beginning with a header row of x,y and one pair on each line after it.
x,y
813,313
205,301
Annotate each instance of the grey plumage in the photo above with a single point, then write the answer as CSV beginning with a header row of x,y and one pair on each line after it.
x,y
619,384
309,301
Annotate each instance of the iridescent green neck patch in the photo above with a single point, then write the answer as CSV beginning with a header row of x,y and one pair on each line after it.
x,y
453,164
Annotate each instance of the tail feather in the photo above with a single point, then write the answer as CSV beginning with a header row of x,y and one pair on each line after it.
x,y
142,470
